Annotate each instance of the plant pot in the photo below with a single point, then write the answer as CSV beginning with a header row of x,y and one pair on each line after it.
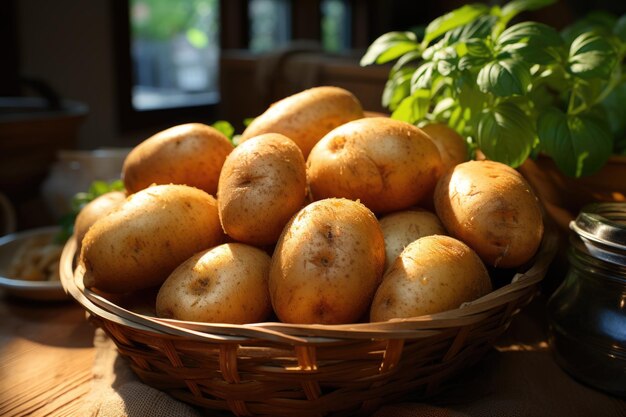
x,y
564,196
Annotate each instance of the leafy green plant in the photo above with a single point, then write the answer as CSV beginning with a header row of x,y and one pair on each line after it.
x,y
513,89
80,200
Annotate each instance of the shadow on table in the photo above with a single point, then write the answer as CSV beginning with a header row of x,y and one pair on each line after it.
x,y
62,324
517,378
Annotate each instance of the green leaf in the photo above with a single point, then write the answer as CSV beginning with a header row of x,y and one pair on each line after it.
x,y
440,86
516,7
80,200
470,98
530,32
453,19
458,119
615,110
390,46
479,28
413,108
505,134
580,145
469,62
443,107
534,43
504,78
591,55
404,60
478,48
225,128
446,68
445,54
619,29
423,77
512,9
397,88
589,90
396,51
600,22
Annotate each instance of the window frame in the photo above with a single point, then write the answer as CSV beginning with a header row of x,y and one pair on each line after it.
x,y
128,117
234,34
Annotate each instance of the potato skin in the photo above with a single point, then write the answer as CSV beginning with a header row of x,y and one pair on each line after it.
x,y
307,116
433,274
141,243
387,164
404,227
262,184
94,210
452,147
490,206
224,284
327,264
190,154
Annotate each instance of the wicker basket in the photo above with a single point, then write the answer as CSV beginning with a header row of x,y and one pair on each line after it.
x,y
306,370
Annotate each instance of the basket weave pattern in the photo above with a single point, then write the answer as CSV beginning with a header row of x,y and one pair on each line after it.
x,y
306,370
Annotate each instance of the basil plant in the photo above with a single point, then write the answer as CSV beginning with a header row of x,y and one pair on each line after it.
x,y
513,90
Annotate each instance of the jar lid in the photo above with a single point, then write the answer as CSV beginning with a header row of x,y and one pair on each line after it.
x,y
602,230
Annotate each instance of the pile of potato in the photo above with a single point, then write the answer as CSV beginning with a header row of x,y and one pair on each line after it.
x,y
319,215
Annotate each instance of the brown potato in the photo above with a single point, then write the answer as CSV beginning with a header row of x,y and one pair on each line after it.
x,y
491,207
433,274
190,154
387,164
307,116
452,147
224,284
262,184
327,264
94,210
138,245
403,227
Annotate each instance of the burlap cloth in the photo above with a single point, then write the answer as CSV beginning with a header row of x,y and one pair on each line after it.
x,y
518,378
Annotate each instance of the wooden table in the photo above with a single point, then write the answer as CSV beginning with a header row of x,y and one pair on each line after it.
x,y
47,354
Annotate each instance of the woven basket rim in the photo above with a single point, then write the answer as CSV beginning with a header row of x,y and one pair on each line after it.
x,y
415,327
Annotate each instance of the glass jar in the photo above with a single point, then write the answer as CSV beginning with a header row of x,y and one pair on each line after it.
x,y
74,171
587,313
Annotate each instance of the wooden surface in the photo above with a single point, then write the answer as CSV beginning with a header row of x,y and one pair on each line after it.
x,y
47,355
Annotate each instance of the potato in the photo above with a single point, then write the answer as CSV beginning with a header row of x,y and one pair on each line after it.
x,y
433,274
452,147
491,207
327,264
262,184
190,154
387,164
138,245
224,284
403,227
94,210
307,116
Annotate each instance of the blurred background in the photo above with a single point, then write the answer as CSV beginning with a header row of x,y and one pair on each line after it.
x,y
79,76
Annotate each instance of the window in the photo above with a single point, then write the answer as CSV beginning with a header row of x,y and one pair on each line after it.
x,y
336,25
168,53
167,61
270,24
175,53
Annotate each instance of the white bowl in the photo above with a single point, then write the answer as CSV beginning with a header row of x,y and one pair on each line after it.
x,y
35,290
